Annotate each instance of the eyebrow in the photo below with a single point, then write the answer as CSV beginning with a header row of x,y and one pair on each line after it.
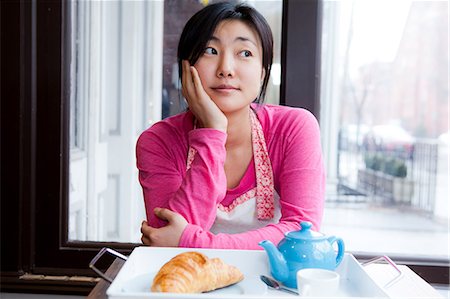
x,y
239,38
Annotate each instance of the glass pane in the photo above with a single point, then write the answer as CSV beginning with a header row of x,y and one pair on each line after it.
x,y
123,79
115,94
384,120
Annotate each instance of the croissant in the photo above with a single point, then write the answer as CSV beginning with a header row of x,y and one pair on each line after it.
x,y
193,272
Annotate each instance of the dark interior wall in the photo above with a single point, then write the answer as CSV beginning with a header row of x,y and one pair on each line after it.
x,y
10,134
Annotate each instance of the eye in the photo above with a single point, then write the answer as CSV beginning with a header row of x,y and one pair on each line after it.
x,y
211,51
245,53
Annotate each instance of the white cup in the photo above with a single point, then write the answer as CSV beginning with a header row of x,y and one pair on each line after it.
x,y
317,283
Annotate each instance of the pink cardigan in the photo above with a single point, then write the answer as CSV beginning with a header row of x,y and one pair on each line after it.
x,y
293,142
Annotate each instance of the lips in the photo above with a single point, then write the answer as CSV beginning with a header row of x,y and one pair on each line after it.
x,y
225,87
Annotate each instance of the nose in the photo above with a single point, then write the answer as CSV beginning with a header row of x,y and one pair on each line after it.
x,y
226,66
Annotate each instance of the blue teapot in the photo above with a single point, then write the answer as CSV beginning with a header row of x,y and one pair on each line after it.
x,y
302,249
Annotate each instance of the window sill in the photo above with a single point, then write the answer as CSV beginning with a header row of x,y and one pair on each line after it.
x,y
11,282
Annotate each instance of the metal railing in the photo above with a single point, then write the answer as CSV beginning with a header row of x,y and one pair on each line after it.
x,y
420,161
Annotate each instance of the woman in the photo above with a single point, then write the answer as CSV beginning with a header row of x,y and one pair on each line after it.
x,y
230,172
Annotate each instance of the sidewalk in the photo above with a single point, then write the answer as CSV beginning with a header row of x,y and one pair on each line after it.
x,y
386,230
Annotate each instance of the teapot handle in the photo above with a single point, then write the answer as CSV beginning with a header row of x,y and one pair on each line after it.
x,y
341,248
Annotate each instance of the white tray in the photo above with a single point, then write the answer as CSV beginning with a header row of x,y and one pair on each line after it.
x,y
136,276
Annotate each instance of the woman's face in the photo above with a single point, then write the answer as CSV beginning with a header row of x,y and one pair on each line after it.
x,y
231,68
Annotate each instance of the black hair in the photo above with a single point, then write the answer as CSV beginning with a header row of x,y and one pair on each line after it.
x,y
201,26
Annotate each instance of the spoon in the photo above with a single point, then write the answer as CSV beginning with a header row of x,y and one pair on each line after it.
x,y
272,283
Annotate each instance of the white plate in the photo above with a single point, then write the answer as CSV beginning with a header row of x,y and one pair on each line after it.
x,y
249,286
135,278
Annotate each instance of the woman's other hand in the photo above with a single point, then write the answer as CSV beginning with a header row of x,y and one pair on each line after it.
x,y
167,236
200,103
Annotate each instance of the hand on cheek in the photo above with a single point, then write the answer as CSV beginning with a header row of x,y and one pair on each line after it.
x,y
201,105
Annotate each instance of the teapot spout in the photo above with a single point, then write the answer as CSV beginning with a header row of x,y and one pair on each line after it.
x,y
278,265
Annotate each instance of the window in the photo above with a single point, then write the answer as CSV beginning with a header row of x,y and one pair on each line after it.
x,y
36,147
116,74
384,118
119,87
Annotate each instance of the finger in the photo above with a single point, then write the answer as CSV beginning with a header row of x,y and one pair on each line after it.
x,y
183,78
146,229
146,240
203,98
197,83
164,214
143,226
187,69
187,85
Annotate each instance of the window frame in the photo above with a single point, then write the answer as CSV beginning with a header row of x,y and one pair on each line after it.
x,y
35,175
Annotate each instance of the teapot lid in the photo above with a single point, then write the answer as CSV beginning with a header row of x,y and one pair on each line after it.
x,y
305,232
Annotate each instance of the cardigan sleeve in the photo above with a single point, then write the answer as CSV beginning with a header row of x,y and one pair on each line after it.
x,y
195,194
300,182
196,237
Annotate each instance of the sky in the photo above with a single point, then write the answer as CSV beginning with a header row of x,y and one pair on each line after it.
x,y
377,29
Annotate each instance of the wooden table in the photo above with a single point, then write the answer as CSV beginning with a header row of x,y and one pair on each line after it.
x,y
99,291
